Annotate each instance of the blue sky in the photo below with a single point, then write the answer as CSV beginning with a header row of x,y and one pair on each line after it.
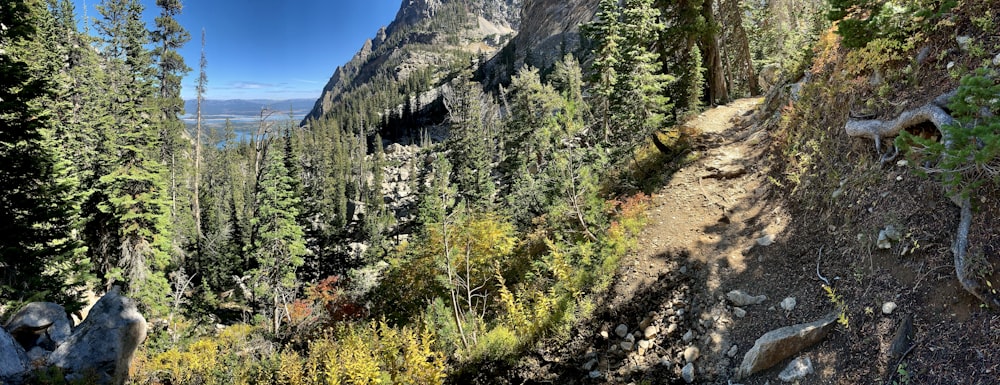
x,y
270,49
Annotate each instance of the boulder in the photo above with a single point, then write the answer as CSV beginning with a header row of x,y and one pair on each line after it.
x,y
777,345
105,342
13,360
43,324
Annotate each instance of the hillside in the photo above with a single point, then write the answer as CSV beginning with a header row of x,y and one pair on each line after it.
x,y
512,192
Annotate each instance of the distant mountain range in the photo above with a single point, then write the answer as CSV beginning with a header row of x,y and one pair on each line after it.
x,y
247,107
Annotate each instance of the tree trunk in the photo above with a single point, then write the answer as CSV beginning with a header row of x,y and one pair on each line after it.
x,y
717,91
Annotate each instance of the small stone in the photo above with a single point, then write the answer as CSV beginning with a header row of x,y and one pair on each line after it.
x,y
892,233
741,298
604,334
788,303
680,312
671,329
739,312
621,330
996,60
687,373
644,346
903,163
650,331
684,270
665,362
950,65
766,240
590,365
732,351
963,42
691,354
627,346
629,338
888,307
595,374
899,178
688,336
796,370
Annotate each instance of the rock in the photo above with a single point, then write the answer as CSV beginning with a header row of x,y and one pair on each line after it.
x,y
887,236
621,330
732,351
688,336
627,346
671,329
650,331
888,307
604,334
13,360
782,343
903,338
595,374
687,373
665,362
902,163
38,354
766,240
769,76
788,303
996,60
43,324
739,312
796,370
691,354
963,42
950,65
645,345
105,342
629,338
741,298
590,365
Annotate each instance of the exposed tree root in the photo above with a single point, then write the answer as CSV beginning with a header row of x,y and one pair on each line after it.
x,y
960,248
878,129
932,112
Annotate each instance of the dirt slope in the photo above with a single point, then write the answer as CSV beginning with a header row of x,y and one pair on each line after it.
x,y
724,222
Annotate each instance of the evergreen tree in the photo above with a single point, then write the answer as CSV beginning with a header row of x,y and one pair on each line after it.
x,y
135,222
278,245
471,143
39,198
176,151
606,34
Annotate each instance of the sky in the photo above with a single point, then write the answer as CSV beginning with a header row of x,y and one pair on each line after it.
x,y
269,49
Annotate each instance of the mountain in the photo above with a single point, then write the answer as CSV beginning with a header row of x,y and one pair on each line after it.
x,y
246,107
419,50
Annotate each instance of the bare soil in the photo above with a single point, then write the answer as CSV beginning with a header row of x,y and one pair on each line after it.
x,y
724,221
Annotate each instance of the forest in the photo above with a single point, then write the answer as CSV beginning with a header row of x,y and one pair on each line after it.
x,y
282,256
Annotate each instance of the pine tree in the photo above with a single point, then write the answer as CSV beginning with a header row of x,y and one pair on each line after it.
x,y
606,34
278,245
472,145
133,203
39,197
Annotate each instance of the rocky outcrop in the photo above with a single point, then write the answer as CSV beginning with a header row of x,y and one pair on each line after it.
x,y
40,324
13,361
423,35
105,343
779,344
549,29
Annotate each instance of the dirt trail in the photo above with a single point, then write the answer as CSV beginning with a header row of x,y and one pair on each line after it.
x,y
720,223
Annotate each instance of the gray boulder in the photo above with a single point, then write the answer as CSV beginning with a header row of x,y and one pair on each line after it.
x,y
13,361
42,324
105,342
777,345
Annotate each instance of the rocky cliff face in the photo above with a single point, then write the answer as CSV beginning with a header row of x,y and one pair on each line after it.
x,y
549,29
425,34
